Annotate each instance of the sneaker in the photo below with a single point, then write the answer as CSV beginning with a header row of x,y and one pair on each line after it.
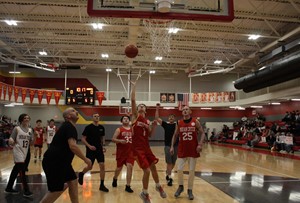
x,y
190,194
114,183
27,194
145,197
161,191
11,191
80,178
170,182
179,191
103,188
128,189
167,178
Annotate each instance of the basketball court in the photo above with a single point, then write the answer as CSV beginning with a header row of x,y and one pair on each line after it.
x,y
223,174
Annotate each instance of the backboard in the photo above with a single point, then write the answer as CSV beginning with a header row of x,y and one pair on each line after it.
x,y
199,10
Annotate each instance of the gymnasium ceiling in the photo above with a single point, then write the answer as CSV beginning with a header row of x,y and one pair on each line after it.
x,y
62,28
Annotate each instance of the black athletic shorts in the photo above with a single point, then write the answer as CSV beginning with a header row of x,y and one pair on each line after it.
x,y
92,155
58,174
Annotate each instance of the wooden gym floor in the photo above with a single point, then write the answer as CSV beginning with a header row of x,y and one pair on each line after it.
x,y
224,173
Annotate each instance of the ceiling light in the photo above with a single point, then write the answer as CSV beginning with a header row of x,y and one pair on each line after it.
x,y
11,22
97,26
152,71
14,72
158,58
295,99
108,70
104,55
206,108
173,30
218,61
253,37
43,53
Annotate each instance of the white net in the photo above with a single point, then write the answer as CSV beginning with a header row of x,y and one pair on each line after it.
x,y
159,35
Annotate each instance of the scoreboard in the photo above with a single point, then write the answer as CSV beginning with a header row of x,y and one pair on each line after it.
x,y
80,96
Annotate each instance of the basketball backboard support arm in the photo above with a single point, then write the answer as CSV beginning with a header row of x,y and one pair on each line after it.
x,y
208,10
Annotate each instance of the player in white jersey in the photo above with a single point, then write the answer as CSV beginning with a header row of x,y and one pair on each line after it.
x,y
51,130
20,139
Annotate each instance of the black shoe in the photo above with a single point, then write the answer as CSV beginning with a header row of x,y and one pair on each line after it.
x,y
27,194
80,178
128,189
114,183
190,194
103,188
179,191
170,182
167,178
11,191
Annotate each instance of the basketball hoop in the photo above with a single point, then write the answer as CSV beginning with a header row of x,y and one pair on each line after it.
x,y
159,35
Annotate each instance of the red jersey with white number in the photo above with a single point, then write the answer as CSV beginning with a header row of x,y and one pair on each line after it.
x,y
188,139
140,133
124,150
39,138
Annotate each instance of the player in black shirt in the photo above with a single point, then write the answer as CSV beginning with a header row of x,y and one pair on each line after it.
x,y
169,128
93,138
57,162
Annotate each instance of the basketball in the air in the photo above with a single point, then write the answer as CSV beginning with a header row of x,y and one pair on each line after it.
x,y
131,51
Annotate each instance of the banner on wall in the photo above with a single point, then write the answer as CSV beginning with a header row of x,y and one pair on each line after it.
x,y
23,94
40,94
31,95
100,97
213,97
4,91
1,90
167,97
48,96
16,93
57,95
195,98
10,90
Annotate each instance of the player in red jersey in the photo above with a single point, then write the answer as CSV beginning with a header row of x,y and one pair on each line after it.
x,y
142,130
39,132
123,139
189,148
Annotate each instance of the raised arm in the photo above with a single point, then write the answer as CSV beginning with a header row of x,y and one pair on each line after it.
x,y
157,114
133,101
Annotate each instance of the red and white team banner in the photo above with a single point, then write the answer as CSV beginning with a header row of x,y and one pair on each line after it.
x,y
10,90
100,97
31,95
23,94
219,97
195,98
1,85
57,95
203,97
48,96
211,97
16,93
4,91
40,94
